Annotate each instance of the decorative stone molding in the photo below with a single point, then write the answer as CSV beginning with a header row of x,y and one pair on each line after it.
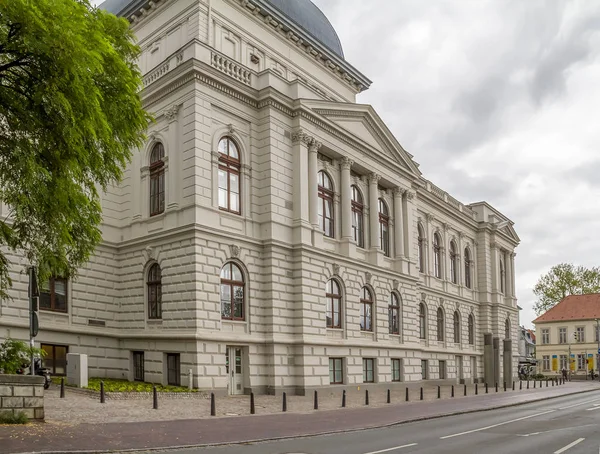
x,y
398,191
395,284
234,250
374,178
215,156
423,296
441,301
461,235
150,252
494,245
336,269
410,195
346,163
445,226
430,217
301,136
171,112
314,146
368,277
230,128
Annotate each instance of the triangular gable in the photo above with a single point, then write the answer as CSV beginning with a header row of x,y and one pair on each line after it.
x,y
510,231
362,123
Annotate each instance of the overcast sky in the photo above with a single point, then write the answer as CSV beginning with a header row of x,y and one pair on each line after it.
x,y
497,101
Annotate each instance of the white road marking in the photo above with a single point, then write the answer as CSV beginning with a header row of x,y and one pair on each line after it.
x,y
593,408
496,425
569,446
577,405
391,449
555,430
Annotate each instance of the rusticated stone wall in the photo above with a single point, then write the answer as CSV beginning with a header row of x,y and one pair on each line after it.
x,y
22,393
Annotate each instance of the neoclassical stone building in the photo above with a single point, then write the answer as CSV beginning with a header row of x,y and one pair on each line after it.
x,y
273,234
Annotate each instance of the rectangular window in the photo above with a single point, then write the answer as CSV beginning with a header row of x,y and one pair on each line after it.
x,y
368,370
597,330
173,369
366,320
336,376
563,362
562,335
580,334
396,369
138,366
424,369
546,362
442,370
55,359
545,336
580,362
53,295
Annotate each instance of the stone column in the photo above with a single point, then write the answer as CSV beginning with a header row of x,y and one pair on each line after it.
x,y
488,359
508,273
300,143
497,360
408,205
512,275
398,223
495,268
507,362
313,184
429,262
173,173
346,196
136,189
461,261
374,210
474,266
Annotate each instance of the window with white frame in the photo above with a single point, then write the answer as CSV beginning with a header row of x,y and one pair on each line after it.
x,y
562,335
546,362
368,370
545,336
396,369
580,334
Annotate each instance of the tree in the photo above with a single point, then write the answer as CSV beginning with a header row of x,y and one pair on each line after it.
x,y
14,354
70,112
563,280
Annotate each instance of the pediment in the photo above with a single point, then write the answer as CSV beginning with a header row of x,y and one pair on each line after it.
x,y
362,123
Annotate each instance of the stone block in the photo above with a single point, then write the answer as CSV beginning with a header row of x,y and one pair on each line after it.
x,y
12,402
33,402
6,412
5,390
29,412
39,413
38,391
24,391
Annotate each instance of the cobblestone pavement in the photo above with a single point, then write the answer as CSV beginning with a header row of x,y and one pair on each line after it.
x,y
78,408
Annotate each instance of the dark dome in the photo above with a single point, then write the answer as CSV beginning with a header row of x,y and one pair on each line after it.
x,y
311,19
302,13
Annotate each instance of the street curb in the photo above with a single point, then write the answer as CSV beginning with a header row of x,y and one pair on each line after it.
x,y
318,434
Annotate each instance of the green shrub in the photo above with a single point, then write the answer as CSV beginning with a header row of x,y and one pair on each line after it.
x,y
119,385
15,353
13,418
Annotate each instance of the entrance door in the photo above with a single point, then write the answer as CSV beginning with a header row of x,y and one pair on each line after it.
x,y
233,366
459,367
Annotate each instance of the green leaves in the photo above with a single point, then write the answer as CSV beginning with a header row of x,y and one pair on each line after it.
x,y
70,113
563,280
14,353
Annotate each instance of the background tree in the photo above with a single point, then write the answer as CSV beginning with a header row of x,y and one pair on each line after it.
x,y
70,112
563,280
14,354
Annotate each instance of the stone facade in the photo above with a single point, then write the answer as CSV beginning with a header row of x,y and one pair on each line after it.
x,y
22,394
226,68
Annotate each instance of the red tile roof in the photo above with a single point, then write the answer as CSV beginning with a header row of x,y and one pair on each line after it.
x,y
574,307
532,334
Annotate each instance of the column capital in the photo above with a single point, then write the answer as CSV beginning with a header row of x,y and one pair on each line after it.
x,y
171,113
300,136
398,191
374,178
410,195
346,163
314,146
429,217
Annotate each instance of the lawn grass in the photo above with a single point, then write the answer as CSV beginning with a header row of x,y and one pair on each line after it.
x,y
119,385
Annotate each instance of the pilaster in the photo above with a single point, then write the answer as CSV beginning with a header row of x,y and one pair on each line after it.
x,y
301,223
346,197
174,158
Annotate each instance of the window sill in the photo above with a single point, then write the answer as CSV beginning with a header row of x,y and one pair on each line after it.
x,y
55,312
154,321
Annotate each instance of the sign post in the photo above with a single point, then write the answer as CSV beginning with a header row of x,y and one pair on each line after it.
x,y
34,297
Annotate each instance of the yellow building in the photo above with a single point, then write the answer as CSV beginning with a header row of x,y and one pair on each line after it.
x,y
569,328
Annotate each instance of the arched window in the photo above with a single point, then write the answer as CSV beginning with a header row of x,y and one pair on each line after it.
x,y
437,256
232,292
507,329
358,231
440,324
154,285
421,249
157,179
422,322
366,310
467,268
453,263
456,327
326,204
334,304
394,314
229,176
384,228
471,329
502,277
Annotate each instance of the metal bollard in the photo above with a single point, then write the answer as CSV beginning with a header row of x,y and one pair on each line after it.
x,y
154,398
476,390
344,398
486,388
534,383
513,385
252,409
62,387
496,386
520,385
527,384
366,397
504,386
284,404
102,400
406,395
213,406
389,397
465,393
546,383
541,384
316,405
439,391
452,391
421,393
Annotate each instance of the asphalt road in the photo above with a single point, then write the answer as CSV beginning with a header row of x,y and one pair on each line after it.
x,y
569,424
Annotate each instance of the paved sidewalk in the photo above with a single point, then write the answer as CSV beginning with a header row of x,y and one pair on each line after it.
x,y
61,436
